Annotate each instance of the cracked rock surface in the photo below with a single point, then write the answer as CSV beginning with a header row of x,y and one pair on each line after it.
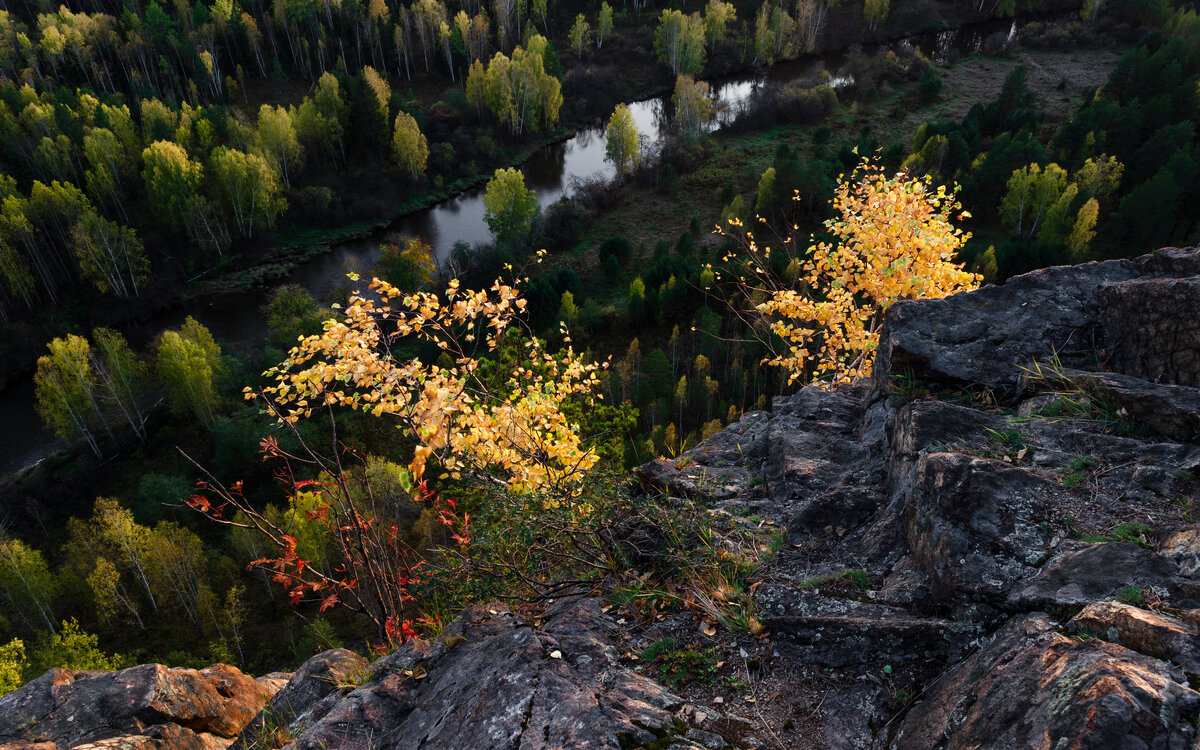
x,y
995,542
147,706
493,681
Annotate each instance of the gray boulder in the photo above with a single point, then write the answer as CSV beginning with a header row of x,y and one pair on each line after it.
x,y
1172,411
1153,329
1034,687
1085,573
1150,633
493,681
1139,312
989,336
973,524
301,701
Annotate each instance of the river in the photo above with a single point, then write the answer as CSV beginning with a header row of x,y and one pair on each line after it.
x,y
237,317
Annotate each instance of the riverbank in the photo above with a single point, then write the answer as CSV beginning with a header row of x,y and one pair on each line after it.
x,y
283,258
930,19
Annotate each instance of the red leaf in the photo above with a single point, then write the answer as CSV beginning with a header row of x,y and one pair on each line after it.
x,y
268,447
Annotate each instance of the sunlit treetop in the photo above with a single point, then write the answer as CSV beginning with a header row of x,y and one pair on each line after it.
x,y
892,239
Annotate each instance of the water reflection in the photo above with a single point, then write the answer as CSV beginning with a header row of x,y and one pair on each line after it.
x,y
550,173
966,42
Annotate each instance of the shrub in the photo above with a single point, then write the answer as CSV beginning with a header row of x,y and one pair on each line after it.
x,y
502,419
72,648
892,240
312,202
12,666
617,247
158,490
676,665
930,86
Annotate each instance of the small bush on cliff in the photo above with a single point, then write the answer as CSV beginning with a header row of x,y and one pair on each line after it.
x,y
502,493
677,665
820,311
507,425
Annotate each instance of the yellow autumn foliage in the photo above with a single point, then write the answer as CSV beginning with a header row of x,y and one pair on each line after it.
x,y
516,433
893,240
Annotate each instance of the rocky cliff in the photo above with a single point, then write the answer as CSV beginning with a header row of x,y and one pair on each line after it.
x,y
994,543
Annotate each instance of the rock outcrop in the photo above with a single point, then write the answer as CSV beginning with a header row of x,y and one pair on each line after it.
x,y
1033,687
1024,464
492,680
989,336
307,695
993,543
147,706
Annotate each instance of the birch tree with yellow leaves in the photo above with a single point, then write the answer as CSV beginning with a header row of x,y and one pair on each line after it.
x,y
515,433
506,426
892,239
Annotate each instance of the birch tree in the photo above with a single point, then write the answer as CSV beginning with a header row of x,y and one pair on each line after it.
x,y
693,107
605,25
115,526
622,146
277,139
26,584
409,146
122,376
187,361
579,34
65,390
245,188
177,571
110,255
172,182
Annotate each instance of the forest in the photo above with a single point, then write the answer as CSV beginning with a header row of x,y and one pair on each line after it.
x,y
222,500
